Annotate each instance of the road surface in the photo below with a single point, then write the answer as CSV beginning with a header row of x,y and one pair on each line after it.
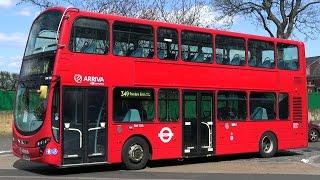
x,y
291,165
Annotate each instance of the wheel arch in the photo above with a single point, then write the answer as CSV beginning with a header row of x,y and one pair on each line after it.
x,y
317,130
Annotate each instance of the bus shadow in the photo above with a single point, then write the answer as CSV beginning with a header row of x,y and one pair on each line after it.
x,y
238,157
42,169
53,171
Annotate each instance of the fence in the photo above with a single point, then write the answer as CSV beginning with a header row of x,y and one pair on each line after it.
x,y
6,100
314,106
314,100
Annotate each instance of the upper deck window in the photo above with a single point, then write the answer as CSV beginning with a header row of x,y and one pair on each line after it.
x,y
288,57
43,33
167,44
261,54
197,47
230,50
90,36
133,40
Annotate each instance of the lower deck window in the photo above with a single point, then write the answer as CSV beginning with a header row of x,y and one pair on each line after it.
x,y
168,105
232,105
133,105
262,106
283,105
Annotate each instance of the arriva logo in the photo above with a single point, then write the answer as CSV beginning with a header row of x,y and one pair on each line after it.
x,y
92,80
77,78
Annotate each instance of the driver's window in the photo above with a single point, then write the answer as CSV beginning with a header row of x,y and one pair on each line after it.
x,y
230,51
261,54
90,36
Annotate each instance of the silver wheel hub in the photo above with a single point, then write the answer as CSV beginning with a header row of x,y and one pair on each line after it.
x,y
267,145
313,135
135,153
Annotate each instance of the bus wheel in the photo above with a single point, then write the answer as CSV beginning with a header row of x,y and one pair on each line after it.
x,y
268,145
135,153
313,135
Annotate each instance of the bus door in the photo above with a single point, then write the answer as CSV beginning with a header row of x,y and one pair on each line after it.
x,y
84,125
198,124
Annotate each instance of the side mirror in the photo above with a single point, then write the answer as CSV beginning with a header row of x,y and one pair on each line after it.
x,y
43,92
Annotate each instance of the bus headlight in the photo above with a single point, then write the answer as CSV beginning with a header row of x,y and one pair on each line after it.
x,y
43,142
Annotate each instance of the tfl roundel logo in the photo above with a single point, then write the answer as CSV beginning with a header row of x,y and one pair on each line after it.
x,y
77,78
165,135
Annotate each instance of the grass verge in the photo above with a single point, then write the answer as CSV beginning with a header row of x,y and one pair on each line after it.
x,y
6,119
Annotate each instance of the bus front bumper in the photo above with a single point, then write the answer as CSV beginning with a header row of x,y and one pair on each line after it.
x,y
36,154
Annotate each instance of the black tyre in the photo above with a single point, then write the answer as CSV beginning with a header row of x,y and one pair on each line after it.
x,y
313,135
135,153
268,145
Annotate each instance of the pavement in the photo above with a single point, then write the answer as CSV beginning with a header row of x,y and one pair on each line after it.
x,y
105,174
5,143
291,165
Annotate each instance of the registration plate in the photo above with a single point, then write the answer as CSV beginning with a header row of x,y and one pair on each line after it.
x,y
26,157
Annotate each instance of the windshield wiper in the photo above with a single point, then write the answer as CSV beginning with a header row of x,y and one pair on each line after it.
x,y
44,47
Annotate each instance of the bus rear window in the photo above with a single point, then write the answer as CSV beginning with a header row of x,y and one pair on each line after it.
x,y
261,54
288,57
133,105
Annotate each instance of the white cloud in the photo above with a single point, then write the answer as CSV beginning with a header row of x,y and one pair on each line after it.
x,y
15,65
11,64
36,14
24,12
15,37
7,3
1,62
210,18
204,16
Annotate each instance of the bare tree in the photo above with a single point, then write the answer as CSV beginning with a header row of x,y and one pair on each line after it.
x,y
40,3
183,11
287,16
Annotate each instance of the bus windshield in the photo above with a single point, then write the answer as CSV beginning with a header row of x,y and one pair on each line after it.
x,y
42,37
29,110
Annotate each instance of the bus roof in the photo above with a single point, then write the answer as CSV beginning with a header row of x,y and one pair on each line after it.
x,y
179,26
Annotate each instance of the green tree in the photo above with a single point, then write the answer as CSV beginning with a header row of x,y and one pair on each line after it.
x,y
8,81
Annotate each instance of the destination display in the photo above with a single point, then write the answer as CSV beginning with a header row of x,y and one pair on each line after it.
x,y
135,93
36,67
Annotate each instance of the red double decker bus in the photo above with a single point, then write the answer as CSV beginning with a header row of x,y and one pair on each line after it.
x,y
97,88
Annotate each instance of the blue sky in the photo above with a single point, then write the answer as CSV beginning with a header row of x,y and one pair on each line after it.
x,y
16,21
